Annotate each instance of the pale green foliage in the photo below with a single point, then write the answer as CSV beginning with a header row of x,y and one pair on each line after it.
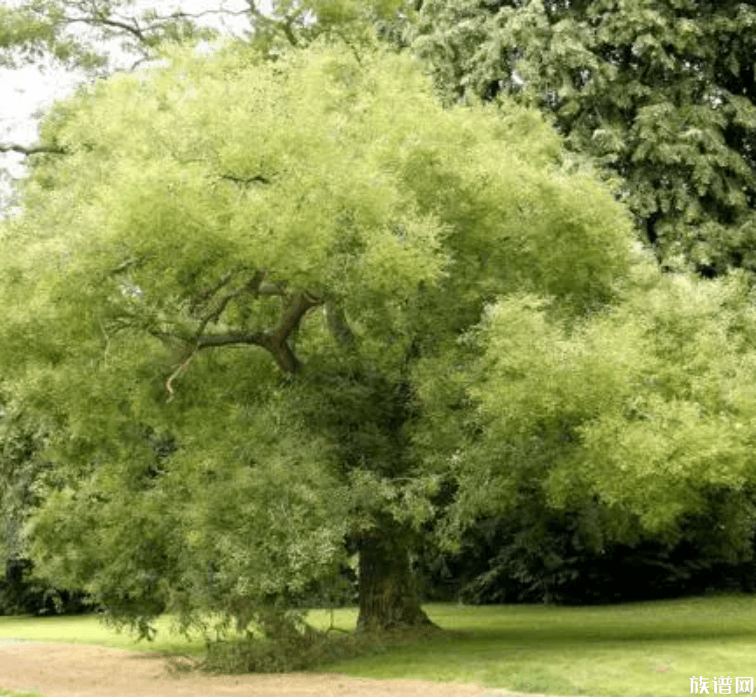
x,y
363,195
341,177
647,408
210,526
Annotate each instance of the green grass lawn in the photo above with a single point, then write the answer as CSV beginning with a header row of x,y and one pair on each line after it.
x,y
87,629
634,650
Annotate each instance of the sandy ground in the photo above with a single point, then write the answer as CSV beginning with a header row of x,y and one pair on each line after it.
x,y
71,670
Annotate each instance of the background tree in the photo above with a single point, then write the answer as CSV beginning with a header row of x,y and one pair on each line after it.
x,y
224,203
81,35
660,93
534,553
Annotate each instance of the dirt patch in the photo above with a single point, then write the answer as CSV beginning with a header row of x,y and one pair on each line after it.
x,y
73,670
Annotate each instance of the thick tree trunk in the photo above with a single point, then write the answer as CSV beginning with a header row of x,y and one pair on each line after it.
x,y
389,597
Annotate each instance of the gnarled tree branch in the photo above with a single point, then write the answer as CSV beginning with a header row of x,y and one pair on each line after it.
x,y
133,29
255,179
33,150
275,340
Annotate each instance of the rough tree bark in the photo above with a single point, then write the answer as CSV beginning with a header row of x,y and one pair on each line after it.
x,y
388,594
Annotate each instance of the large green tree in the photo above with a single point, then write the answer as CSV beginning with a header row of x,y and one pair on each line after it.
x,y
659,92
226,277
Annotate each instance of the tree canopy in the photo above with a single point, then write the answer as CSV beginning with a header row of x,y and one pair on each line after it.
x,y
658,93
217,298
